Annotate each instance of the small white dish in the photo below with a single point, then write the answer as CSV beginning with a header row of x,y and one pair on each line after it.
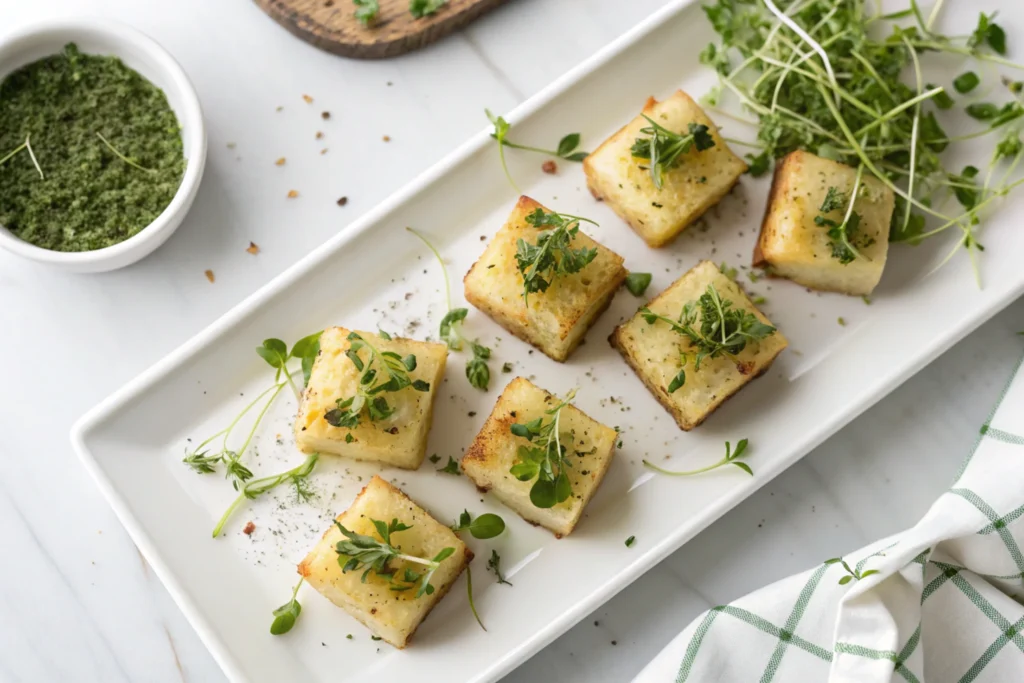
x,y
144,55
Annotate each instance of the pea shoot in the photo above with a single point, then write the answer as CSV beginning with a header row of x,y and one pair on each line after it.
x,y
731,458
287,614
545,460
723,330
383,372
477,371
487,525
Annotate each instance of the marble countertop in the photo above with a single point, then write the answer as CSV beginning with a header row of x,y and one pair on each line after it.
x,y
78,602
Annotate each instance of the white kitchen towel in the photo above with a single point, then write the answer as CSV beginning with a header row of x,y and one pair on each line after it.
x,y
941,602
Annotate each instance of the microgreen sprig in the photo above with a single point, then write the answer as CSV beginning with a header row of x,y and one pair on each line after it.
x,y
359,551
254,488
286,615
852,574
724,330
203,460
552,255
544,460
27,145
423,8
566,146
664,149
842,235
383,372
477,371
731,458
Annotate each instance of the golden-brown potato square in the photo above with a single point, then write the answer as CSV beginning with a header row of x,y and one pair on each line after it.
x,y
590,446
399,439
392,615
554,320
794,241
699,181
654,350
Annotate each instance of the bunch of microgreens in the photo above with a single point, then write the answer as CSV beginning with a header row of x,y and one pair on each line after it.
x,y
825,76
382,373
275,352
254,488
545,459
731,458
665,149
477,371
566,146
553,254
724,330
367,11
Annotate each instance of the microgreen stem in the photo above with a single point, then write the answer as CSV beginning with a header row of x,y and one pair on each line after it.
x,y
14,152
256,423
686,473
121,156
981,56
444,271
469,591
35,162
811,42
255,487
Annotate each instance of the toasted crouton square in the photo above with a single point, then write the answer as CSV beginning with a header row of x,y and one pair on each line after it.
x,y
391,614
697,182
590,446
399,439
655,350
554,320
795,241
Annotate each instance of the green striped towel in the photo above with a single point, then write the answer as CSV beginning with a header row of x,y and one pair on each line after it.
x,y
941,602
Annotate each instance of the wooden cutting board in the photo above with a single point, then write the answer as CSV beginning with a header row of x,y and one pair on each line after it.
x,y
331,24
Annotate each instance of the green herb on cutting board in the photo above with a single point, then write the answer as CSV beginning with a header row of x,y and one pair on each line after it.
x,y
90,152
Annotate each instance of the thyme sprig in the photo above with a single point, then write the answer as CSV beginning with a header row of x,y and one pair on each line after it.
x,y
553,254
545,460
664,149
731,458
723,330
477,371
383,372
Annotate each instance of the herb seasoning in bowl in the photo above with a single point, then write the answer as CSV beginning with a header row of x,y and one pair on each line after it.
x,y
101,145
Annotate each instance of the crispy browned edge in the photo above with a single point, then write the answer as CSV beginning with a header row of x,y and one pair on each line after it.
x,y
526,203
303,567
659,392
591,175
774,195
477,452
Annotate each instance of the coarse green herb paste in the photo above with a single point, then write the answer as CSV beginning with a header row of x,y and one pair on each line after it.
x,y
108,148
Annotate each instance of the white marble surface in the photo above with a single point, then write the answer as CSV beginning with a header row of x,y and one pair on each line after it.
x,y
77,602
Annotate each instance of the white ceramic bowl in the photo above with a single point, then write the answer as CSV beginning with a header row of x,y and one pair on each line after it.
x,y
147,57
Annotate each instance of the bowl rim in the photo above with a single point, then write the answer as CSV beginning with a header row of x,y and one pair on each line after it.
x,y
191,116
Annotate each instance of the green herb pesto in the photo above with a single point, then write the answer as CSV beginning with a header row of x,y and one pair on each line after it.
x,y
107,144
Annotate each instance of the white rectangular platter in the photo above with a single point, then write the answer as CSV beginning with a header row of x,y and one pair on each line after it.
x,y
376,274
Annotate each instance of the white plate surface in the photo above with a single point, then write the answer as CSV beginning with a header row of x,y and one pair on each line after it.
x,y
376,274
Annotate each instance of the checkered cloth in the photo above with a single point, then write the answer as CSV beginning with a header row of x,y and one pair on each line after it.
x,y
943,601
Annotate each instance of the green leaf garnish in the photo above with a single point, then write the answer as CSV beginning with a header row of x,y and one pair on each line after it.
x,y
359,551
366,11
487,525
566,149
286,614
254,488
423,8
494,565
452,467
